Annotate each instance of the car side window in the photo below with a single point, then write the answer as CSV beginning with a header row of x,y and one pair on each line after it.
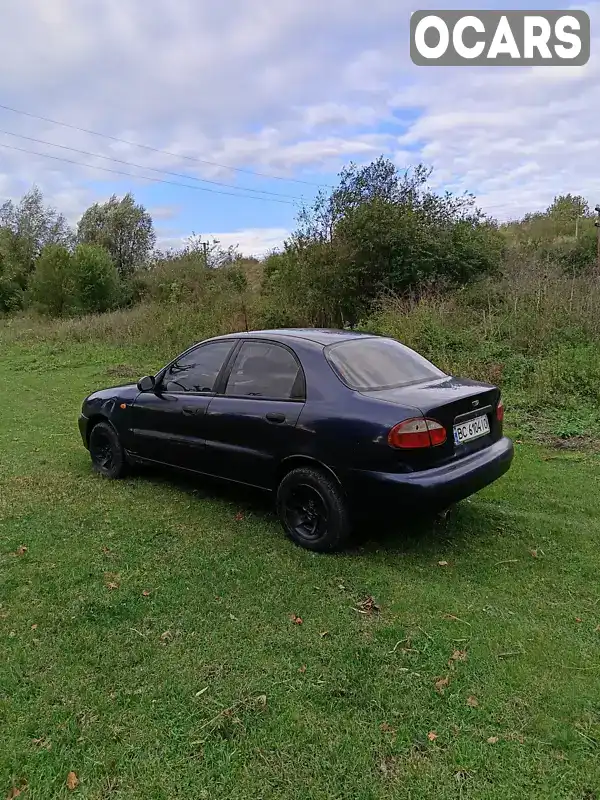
x,y
198,370
262,369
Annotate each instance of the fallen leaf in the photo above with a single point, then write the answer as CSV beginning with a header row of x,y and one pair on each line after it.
x,y
493,740
302,669
165,637
342,587
296,620
111,581
518,441
441,684
534,553
458,655
21,550
145,593
72,781
326,633
432,736
106,550
41,742
387,728
578,619
442,564
262,699
472,702
15,791
34,627
367,606
239,516
388,766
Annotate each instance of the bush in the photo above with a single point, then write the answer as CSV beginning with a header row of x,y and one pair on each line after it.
x,y
52,287
95,279
378,231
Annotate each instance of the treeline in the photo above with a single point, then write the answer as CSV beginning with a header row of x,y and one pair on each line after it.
x,y
380,233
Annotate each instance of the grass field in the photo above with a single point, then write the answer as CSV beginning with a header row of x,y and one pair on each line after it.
x,y
149,645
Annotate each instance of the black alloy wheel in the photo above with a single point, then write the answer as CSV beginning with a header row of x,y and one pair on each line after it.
x,y
107,455
313,509
306,513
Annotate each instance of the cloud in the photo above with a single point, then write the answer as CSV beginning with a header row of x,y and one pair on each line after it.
x,y
294,89
255,242
252,242
516,137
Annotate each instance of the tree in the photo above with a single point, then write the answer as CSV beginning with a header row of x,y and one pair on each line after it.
x,y
12,279
52,284
33,226
124,228
378,231
568,208
95,279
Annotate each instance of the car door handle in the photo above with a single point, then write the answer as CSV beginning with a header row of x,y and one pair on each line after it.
x,y
190,410
276,417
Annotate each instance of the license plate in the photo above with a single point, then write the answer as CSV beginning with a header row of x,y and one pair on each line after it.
x,y
473,429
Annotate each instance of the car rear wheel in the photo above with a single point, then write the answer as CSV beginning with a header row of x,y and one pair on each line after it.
x,y
108,457
313,510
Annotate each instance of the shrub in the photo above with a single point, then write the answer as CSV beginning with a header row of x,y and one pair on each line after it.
x,y
52,286
95,279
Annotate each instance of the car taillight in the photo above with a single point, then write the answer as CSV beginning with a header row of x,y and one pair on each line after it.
x,y
500,411
416,433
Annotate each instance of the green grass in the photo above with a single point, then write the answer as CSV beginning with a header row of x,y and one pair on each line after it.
x,y
206,688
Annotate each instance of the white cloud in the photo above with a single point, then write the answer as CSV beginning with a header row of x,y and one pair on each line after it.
x,y
255,242
252,242
288,88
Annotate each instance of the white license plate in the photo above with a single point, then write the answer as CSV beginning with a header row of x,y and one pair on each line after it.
x,y
473,429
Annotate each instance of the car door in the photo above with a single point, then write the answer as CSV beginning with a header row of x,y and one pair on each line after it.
x,y
251,426
168,422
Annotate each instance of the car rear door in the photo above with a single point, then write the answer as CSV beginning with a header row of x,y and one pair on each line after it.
x,y
251,425
168,422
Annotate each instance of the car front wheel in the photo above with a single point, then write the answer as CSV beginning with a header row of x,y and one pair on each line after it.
x,y
108,457
313,510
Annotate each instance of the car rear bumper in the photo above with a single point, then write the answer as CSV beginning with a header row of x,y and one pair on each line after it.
x,y
439,487
83,423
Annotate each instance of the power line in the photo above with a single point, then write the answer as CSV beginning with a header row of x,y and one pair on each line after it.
x,y
152,169
164,152
146,177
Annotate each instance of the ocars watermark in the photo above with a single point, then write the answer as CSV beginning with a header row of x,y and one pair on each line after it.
x,y
500,38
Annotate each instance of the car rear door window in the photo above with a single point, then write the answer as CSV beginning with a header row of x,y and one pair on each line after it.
x,y
379,363
263,369
198,370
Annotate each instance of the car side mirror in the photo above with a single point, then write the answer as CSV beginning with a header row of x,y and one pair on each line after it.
x,y
146,384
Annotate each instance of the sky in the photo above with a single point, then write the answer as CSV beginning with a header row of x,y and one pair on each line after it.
x,y
254,106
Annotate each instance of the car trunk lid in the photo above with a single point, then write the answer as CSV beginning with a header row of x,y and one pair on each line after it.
x,y
449,401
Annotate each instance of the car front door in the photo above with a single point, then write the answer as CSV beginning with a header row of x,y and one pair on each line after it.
x,y
251,426
168,422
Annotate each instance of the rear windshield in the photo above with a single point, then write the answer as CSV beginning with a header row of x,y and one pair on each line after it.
x,y
379,364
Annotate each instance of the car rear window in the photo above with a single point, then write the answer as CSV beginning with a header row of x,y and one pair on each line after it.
x,y
379,363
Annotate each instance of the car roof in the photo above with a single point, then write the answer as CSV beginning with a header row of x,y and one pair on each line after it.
x,y
323,336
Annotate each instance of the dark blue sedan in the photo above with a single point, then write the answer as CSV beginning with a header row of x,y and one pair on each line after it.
x,y
326,420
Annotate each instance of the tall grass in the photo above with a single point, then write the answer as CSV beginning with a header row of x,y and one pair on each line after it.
x,y
534,332
535,335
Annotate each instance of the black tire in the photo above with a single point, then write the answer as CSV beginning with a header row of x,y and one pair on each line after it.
x,y
313,510
107,454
